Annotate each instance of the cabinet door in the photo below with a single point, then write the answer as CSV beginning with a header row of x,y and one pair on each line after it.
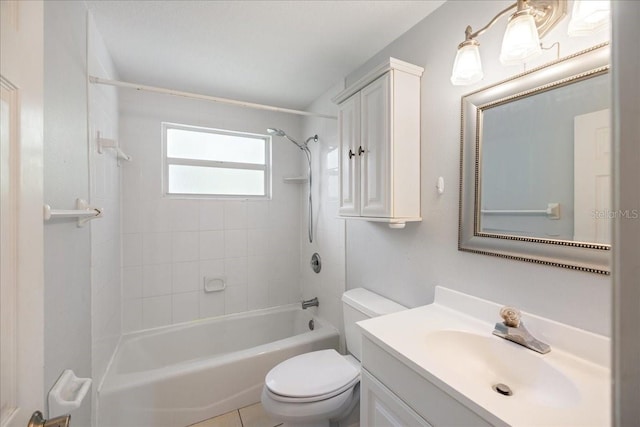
x,y
379,407
375,149
349,125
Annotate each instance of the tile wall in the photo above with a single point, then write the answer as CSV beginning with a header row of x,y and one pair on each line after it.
x,y
329,230
170,245
105,193
67,316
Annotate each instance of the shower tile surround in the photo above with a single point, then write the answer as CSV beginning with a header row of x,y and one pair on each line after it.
x,y
170,244
329,230
163,271
67,290
106,326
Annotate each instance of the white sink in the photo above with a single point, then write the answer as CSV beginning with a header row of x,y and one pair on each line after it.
x,y
489,360
450,344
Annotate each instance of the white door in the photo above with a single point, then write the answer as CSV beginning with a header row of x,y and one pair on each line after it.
x,y
592,177
375,149
21,250
349,125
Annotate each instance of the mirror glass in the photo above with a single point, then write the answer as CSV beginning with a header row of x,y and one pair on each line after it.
x,y
535,173
545,168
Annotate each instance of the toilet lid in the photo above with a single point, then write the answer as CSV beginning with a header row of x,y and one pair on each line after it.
x,y
319,373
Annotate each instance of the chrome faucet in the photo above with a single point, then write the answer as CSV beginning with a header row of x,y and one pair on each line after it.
x,y
313,302
513,329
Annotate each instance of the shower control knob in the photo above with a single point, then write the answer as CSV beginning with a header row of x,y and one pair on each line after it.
x,y
360,151
351,153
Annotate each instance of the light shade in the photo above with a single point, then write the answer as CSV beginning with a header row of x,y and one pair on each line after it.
x,y
467,68
521,41
588,17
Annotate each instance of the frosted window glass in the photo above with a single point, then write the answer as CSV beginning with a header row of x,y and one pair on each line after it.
x,y
202,145
215,181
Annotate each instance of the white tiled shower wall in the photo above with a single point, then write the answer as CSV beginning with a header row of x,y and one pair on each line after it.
x,y
104,193
329,229
67,291
169,245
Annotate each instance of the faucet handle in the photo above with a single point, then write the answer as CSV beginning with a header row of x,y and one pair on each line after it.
x,y
511,316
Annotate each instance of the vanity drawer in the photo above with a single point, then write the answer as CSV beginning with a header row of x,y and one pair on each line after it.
x,y
427,400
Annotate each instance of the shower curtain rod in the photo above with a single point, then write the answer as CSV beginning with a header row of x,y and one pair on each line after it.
x,y
117,83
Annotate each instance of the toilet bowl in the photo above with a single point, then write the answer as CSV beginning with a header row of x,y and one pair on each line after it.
x,y
322,388
312,388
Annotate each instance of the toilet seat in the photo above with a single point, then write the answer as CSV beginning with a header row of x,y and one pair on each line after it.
x,y
312,377
289,399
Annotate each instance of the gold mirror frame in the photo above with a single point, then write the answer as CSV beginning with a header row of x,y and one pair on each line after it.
x,y
583,256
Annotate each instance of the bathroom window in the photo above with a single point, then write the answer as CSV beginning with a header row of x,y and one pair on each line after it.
x,y
204,162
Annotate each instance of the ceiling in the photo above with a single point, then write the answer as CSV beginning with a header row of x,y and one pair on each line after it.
x,y
282,53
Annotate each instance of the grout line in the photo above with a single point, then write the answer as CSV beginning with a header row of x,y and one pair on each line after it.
x,y
239,417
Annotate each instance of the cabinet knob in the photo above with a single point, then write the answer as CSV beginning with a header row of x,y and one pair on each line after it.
x,y
351,153
360,150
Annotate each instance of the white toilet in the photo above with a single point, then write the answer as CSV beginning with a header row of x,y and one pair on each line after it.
x,y
322,388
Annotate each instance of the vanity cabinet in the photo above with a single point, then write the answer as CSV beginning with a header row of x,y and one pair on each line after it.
x,y
379,133
380,407
394,394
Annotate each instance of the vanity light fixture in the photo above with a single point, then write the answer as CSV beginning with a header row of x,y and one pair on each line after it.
x,y
521,41
467,68
589,17
531,20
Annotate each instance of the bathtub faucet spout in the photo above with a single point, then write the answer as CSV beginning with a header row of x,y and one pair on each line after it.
x,y
313,302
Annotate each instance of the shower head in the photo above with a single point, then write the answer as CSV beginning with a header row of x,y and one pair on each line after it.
x,y
280,132
277,132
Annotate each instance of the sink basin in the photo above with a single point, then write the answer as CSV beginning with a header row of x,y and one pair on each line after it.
x,y
480,362
450,345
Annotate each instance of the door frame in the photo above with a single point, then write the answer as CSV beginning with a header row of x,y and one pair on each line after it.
x,y
21,65
626,261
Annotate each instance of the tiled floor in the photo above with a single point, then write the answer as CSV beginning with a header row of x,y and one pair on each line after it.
x,y
250,416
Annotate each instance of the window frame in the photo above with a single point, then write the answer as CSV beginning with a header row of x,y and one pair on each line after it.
x,y
167,161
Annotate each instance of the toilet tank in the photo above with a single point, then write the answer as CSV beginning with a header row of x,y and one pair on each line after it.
x,y
360,304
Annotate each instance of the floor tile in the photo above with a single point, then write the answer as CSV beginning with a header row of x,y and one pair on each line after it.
x,y
255,416
230,419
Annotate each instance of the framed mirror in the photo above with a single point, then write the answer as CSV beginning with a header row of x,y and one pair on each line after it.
x,y
535,168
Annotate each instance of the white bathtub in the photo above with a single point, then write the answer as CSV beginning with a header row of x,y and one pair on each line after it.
x,y
178,375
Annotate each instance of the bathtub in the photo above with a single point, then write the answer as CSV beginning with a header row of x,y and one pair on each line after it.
x,y
181,374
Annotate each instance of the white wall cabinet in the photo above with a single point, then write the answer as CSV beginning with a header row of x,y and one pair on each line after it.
x,y
379,131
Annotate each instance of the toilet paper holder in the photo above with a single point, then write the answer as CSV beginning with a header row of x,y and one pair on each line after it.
x,y
67,393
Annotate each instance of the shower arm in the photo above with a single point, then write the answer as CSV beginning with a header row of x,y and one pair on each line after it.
x,y
300,146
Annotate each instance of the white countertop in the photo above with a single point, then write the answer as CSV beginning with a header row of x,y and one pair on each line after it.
x,y
459,354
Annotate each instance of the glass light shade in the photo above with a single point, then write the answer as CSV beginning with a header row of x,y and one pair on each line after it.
x,y
589,17
521,41
467,68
